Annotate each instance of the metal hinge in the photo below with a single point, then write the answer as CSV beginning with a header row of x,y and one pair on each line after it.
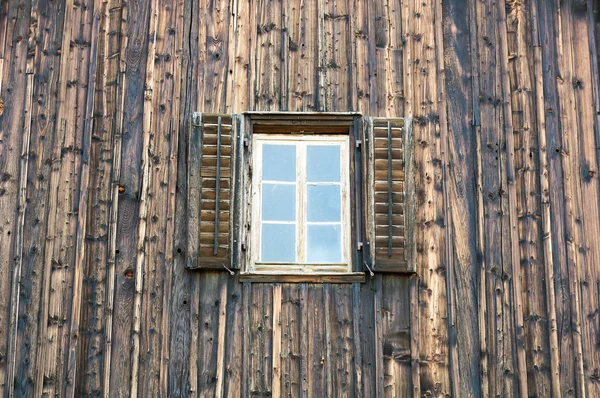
x,y
358,144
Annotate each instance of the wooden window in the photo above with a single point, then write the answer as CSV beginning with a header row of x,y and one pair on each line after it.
x,y
300,203
301,197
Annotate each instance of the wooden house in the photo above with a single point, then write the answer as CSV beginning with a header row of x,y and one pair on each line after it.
x,y
299,198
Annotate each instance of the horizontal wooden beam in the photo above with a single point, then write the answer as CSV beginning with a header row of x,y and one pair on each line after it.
x,y
270,277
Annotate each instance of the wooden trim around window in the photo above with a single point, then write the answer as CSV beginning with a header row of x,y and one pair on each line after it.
x,y
304,277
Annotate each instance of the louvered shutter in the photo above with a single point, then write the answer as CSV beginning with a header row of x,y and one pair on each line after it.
x,y
390,195
210,192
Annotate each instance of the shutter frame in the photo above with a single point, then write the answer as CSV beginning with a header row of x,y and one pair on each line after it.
x,y
378,211
211,173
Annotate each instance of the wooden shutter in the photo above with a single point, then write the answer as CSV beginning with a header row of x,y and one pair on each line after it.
x,y
390,195
210,174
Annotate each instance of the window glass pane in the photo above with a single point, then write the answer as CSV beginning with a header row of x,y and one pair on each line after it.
x,y
323,163
323,203
278,202
324,244
278,242
279,162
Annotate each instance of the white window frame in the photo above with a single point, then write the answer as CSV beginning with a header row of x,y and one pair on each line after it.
x,y
301,142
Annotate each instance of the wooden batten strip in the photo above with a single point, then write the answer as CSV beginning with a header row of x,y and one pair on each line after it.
x,y
454,359
43,360
566,103
356,330
276,367
143,200
512,203
480,209
18,246
545,204
221,343
114,210
82,206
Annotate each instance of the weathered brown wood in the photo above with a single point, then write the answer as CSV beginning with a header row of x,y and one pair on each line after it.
x,y
15,93
276,367
261,340
266,277
502,97
517,297
337,57
316,343
291,332
268,56
421,88
396,336
566,86
546,228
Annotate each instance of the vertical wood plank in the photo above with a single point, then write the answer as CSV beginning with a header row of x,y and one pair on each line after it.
x,y
421,84
546,228
302,56
44,111
337,55
459,158
389,44
268,64
276,367
316,354
261,340
291,336
396,339
525,128
517,291
14,91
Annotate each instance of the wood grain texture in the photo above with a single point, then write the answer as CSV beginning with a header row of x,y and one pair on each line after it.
x,y
96,104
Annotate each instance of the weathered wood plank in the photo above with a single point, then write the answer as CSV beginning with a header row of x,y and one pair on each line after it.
x,y
363,65
543,151
566,84
291,336
315,354
525,128
547,33
35,229
421,90
459,157
14,92
261,341
337,55
134,56
233,338
342,355
389,55
510,184
86,173
268,63
396,338
584,151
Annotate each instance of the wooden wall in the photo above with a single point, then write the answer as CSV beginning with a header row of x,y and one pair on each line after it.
x,y
95,105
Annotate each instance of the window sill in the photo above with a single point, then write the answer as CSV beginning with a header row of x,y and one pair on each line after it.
x,y
273,277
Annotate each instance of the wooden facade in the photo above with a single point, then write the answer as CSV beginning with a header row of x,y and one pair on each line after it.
x,y
96,99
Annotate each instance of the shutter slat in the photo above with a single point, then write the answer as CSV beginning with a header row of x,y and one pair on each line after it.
x,y
388,177
209,177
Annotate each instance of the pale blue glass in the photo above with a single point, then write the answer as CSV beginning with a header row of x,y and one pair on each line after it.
x,y
279,162
278,243
324,203
278,202
324,244
323,163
